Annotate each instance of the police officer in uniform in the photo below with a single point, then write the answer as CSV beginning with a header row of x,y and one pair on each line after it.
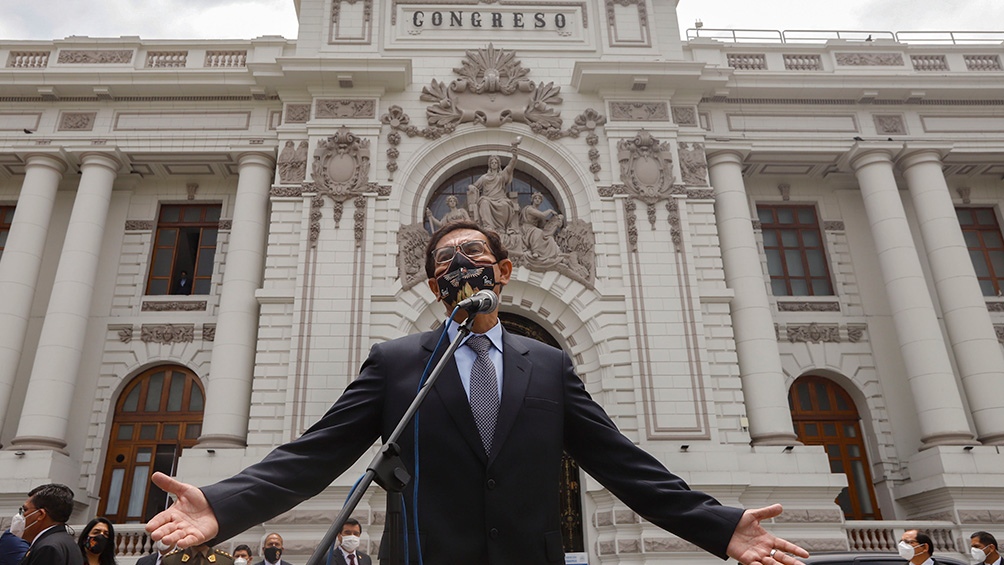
x,y
198,555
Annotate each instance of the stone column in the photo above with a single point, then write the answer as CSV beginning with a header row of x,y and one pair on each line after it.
x,y
21,261
228,398
928,368
970,330
49,400
752,320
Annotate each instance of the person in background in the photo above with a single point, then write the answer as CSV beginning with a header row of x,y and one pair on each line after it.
x,y
346,550
183,284
97,542
272,551
983,547
12,548
41,521
916,547
160,549
242,554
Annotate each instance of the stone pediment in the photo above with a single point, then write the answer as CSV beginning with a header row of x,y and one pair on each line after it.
x,y
492,88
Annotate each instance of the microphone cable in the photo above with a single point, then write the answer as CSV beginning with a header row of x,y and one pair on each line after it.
x,y
414,506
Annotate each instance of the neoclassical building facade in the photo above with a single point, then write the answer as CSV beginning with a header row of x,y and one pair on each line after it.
x,y
778,264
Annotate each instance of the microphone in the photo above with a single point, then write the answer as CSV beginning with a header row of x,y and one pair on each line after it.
x,y
482,302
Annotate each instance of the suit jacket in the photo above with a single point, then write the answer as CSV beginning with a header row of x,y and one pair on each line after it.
x,y
12,548
361,558
54,547
475,508
281,562
148,559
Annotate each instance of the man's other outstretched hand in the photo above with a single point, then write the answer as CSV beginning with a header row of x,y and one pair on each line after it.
x,y
751,544
189,521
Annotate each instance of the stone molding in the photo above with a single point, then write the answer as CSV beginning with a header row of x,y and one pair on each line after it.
x,y
787,306
345,108
833,225
823,333
296,114
639,111
611,12
869,59
174,306
336,9
95,56
286,192
140,225
77,121
167,333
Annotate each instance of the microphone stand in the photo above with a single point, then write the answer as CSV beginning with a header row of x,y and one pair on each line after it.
x,y
389,471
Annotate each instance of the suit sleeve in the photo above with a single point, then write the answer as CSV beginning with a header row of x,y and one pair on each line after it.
x,y
639,479
298,470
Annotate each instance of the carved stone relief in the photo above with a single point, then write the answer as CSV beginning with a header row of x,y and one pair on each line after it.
x,y
167,333
286,192
889,124
808,306
192,188
292,163
174,306
345,108
411,242
647,170
833,225
693,164
639,111
297,113
685,115
139,225
964,193
814,333
870,59
95,56
225,224
208,332
123,331
995,306
785,190
77,121
341,171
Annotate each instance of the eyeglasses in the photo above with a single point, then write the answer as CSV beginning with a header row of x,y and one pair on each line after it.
x,y
473,248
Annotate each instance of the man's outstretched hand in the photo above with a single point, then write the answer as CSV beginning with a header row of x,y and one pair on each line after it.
x,y
753,545
189,521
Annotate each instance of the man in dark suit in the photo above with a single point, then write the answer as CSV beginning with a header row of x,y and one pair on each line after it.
x,y
45,513
160,549
271,550
346,551
490,451
183,284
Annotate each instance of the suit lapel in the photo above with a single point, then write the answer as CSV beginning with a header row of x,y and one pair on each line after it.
x,y
516,368
450,392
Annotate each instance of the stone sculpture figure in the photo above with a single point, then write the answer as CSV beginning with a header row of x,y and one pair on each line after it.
x,y
285,162
454,214
539,227
490,202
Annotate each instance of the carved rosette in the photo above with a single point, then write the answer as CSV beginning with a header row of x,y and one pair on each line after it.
x,y
77,121
167,333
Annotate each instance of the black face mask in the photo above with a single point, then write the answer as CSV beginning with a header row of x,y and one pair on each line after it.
x,y
463,278
272,554
97,544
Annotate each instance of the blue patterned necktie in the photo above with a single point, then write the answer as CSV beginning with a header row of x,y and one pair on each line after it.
x,y
484,390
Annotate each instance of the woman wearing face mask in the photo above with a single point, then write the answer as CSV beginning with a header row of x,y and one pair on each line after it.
x,y
97,542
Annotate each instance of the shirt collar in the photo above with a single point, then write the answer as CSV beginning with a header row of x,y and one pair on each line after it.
x,y
494,334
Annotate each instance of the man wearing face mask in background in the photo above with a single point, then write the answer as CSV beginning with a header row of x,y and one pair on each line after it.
x,y
983,548
41,521
272,551
916,547
242,555
491,436
346,551
160,549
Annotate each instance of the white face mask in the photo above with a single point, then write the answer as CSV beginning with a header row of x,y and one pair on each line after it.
x,y
350,543
17,523
979,555
906,551
161,547
240,561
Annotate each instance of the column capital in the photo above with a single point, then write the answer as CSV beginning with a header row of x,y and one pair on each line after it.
x,y
110,157
260,158
719,153
863,154
916,153
54,160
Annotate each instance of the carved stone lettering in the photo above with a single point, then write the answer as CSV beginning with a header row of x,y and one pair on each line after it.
x,y
639,111
345,108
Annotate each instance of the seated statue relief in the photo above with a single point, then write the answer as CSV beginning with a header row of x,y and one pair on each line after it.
x,y
490,201
539,227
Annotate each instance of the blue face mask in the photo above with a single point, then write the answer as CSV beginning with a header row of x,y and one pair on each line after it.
x,y
463,278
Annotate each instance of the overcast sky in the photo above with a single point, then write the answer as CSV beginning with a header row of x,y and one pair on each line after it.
x,y
236,19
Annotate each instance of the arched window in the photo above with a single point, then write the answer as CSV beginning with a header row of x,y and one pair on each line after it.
x,y
158,414
523,184
570,491
824,414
